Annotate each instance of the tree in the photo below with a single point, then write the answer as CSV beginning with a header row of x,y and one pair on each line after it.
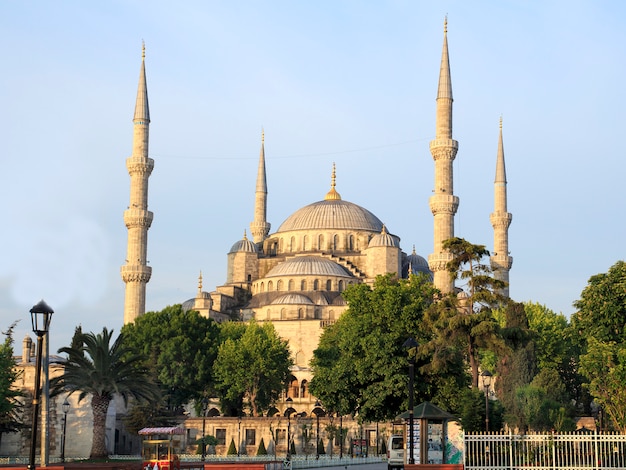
x,y
466,318
600,333
179,349
9,395
360,364
102,370
253,368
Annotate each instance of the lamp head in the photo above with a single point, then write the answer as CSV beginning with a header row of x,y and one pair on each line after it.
x,y
486,377
65,406
40,316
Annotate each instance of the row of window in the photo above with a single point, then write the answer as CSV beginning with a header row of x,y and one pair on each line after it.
x,y
304,285
335,243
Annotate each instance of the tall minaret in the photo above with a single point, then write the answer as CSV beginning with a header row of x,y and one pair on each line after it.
x,y
443,203
136,273
501,262
260,227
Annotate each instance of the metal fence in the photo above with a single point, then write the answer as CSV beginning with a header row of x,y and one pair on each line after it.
x,y
545,451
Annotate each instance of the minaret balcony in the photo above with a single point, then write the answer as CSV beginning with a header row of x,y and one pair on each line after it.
x,y
439,261
136,273
142,165
138,218
443,203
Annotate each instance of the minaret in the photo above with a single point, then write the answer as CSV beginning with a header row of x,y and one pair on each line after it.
x,y
136,273
260,227
443,203
501,262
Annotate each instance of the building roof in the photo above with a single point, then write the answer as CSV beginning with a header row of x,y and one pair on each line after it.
x,y
334,214
308,266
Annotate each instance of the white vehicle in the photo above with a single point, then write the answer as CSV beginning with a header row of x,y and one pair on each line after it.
x,y
395,452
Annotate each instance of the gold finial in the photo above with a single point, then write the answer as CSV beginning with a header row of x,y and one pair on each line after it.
x,y
332,194
143,50
245,235
200,282
414,253
384,230
445,25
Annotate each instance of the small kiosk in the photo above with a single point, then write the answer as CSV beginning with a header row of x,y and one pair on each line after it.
x,y
160,448
430,434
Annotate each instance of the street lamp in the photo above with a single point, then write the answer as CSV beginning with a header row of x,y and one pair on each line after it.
x,y
205,404
65,407
486,376
318,407
411,344
40,316
289,401
340,437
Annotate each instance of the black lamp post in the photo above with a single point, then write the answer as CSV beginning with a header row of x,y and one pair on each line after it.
x,y
289,401
40,316
340,437
205,404
486,376
65,407
411,344
318,406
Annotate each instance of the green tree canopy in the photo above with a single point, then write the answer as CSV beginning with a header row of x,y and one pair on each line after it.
x,y
179,349
360,365
102,370
465,319
9,395
253,368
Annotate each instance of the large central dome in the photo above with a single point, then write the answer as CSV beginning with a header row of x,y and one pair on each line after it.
x,y
332,214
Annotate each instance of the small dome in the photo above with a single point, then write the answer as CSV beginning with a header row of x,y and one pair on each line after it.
x,y
416,264
293,299
308,266
383,239
244,245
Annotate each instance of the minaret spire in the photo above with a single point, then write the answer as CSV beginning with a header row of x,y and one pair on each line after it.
x,y
136,273
259,227
443,204
501,262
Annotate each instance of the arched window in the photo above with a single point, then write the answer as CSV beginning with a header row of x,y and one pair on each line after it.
x,y
331,314
340,286
280,245
318,314
351,243
269,314
329,285
335,242
249,278
262,287
300,314
270,286
292,244
295,389
304,389
320,242
279,285
305,243
283,314
316,285
303,284
290,285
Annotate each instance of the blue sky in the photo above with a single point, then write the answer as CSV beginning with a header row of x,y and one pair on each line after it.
x,y
350,82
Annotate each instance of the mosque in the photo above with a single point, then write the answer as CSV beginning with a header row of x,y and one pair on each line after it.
x,y
294,276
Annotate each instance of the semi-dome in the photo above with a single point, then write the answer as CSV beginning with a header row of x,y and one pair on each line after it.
x,y
293,299
334,214
244,245
308,266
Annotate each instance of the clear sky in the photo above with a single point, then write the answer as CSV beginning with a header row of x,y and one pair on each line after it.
x,y
350,82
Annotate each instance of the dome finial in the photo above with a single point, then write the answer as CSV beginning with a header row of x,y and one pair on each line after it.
x,y
445,25
500,121
200,283
245,236
332,194
414,252
143,50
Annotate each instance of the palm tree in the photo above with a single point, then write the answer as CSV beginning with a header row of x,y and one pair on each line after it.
x,y
97,368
